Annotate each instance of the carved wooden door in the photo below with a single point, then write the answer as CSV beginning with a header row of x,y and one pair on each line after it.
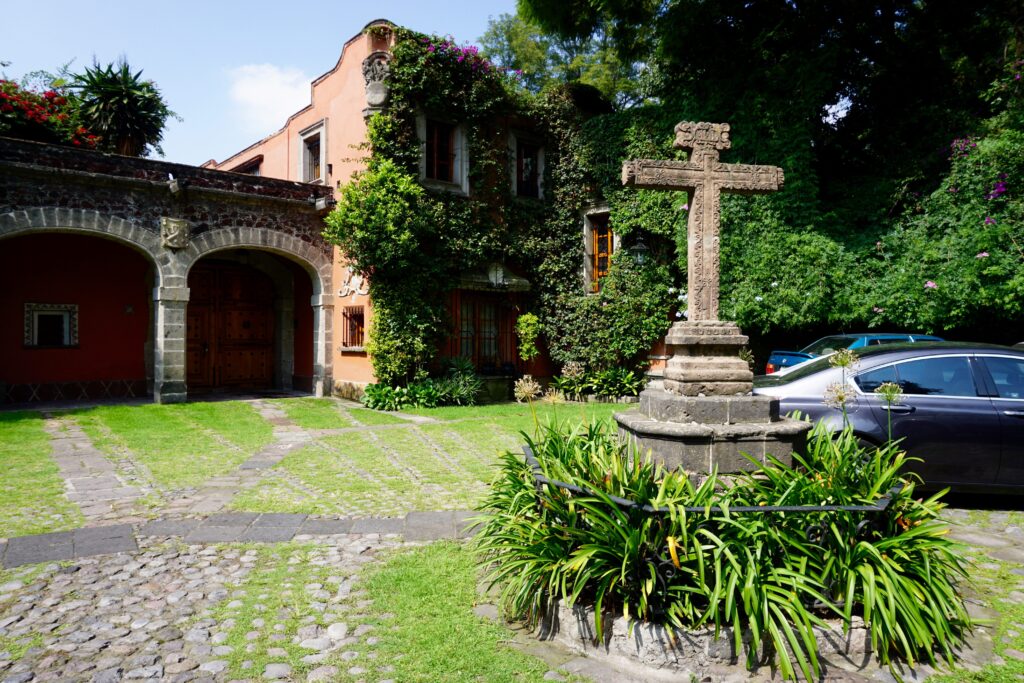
x,y
230,328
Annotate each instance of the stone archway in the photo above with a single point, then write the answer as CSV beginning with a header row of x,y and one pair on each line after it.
x,y
257,245
170,292
92,275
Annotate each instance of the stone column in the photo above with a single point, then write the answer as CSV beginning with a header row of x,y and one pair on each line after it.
x,y
170,305
323,322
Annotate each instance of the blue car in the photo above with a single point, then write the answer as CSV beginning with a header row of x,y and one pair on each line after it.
x,y
784,360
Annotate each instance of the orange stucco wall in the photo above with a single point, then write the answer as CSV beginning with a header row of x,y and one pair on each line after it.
x,y
338,98
110,283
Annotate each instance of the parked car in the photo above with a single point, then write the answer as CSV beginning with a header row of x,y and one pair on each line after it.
x,y
784,360
962,412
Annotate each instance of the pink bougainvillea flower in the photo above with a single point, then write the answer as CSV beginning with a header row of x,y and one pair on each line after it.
x,y
989,220
930,284
876,309
982,254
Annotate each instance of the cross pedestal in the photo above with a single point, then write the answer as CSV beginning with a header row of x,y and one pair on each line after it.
x,y
703,416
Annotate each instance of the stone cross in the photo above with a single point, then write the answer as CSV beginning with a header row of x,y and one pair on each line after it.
x,y
706,177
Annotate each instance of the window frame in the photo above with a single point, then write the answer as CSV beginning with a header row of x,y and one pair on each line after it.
x,y
459,184
353,331
69,312
316,133
515,140
591,279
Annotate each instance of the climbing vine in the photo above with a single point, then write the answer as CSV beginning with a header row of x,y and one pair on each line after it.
x,y
414,242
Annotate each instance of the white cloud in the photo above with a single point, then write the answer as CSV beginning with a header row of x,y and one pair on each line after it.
x,y
265,95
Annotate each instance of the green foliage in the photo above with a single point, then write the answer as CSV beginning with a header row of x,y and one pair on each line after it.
x,y
517,44
763,574
458,387
615,382
618,325
528,329
127,112
383,222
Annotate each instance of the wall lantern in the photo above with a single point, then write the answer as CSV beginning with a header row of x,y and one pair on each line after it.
x,y
639,251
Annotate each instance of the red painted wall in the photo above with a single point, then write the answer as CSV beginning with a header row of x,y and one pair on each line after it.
x,y
302,375
104,278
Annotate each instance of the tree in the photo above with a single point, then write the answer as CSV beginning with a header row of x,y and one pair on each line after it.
x,y
128,112
516,43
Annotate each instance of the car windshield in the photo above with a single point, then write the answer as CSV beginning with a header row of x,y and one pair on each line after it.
x,y
829,345
798,372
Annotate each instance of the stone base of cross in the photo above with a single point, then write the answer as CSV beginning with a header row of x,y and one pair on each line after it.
x,y
706,359
703,417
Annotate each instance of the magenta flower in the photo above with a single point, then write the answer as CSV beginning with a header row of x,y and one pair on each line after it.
x,y
982,254
989,220
930,284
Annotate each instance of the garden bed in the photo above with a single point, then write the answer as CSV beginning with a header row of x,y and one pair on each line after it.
x,y
690,655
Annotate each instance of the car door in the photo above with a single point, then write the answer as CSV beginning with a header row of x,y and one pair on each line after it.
x,y
942,419
1006,374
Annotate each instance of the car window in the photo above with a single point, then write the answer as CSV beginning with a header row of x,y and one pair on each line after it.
x,y
872,379
944,376
1008,374
887,340
827,345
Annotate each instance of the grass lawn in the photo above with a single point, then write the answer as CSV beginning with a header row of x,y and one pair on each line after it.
x,y
394,466
419,626
182,445
32,497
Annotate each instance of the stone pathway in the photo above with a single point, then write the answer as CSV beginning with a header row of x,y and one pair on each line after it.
x,y
90,478
149,615
227,527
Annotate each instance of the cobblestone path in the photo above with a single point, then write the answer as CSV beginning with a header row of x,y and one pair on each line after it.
x,y
200,594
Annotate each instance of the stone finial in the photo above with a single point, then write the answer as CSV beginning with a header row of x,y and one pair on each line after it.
x,y
174,232
690,135
376,72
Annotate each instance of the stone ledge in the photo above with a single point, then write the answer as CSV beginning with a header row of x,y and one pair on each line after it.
x,y
690,655
666,406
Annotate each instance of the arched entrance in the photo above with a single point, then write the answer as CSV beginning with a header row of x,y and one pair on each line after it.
x,y
230,327
249,323
76,312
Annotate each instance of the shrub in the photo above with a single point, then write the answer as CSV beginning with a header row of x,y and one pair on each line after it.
x,y
573,381
615,382
528,330
773,575
460,387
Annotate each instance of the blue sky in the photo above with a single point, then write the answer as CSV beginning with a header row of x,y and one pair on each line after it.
x,y
232,70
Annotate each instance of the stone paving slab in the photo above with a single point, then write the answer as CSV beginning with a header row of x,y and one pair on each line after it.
x,y
279,519
68,545
227,527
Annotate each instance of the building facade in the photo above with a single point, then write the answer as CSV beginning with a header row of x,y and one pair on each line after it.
x,y
124,277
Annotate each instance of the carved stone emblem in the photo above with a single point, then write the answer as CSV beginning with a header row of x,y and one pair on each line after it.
x,y
174,232
375,73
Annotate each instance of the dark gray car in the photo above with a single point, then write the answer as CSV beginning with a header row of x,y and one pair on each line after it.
x,y
962,411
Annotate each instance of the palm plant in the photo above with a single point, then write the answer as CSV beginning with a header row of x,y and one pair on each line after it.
x,y
128,112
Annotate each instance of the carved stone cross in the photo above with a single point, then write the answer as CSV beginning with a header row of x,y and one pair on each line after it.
x,y
706,178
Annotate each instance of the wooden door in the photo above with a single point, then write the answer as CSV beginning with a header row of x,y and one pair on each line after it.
x,y
230,328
